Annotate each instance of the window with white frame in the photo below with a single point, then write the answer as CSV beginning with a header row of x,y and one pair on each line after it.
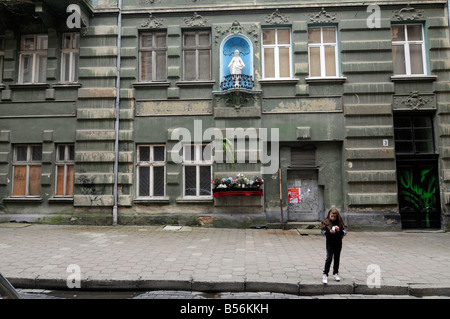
x,y
323,51
276,53
197,55
33,58
2,54
151,169
27,163
408,49
70,54
153,56
197,169
65,159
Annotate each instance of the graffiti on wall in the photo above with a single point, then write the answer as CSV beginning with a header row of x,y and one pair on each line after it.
x,y
88,187
419,191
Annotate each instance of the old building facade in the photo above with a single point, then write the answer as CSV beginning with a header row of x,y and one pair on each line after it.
x,y
109,108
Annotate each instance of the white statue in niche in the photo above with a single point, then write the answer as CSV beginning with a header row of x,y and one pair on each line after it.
x,y
236,65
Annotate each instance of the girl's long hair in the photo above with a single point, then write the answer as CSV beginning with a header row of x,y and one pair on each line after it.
x,y
327,222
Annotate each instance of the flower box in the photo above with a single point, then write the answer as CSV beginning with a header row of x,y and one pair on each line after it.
x,y
228,192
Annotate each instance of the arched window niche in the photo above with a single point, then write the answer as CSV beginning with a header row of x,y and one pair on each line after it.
x,y
238,49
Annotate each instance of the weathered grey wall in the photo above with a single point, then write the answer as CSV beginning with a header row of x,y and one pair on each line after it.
x,y
346,119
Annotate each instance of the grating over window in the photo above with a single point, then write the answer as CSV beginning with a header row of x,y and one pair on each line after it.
x,y
303,157
151,171
197,170
413,135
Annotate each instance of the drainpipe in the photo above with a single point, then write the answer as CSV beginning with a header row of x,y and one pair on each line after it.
x,y
116,125
281,194
448,9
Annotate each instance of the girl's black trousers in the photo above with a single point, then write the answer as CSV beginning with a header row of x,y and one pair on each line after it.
x,y
334,248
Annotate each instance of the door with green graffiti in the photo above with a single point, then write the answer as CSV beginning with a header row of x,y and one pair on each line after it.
x,y
418,194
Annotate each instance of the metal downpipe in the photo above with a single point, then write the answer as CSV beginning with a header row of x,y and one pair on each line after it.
x,y
117,107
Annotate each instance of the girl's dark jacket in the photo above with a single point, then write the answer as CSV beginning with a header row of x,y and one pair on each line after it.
x,y
333,237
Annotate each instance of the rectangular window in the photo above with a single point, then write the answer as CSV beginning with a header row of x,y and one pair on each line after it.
x,y
323,52
197,162
153,56
65,159
408,49
33,58
70,55
27,164
151,169
276,53
197,55
2,54
414,135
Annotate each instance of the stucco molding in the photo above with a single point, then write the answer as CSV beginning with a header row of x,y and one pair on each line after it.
x,y
322,17
408,13
152,22
196,20
277,18
414,101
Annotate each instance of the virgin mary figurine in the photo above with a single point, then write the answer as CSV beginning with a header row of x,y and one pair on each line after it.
x,y
236,65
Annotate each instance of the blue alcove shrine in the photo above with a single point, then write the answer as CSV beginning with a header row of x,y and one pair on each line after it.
x,y
229,46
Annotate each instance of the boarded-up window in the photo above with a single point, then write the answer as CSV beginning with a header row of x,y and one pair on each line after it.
x,y
64,169
303,157
27,170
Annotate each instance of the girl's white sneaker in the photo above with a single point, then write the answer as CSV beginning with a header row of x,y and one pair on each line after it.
x,y
325,279
336,277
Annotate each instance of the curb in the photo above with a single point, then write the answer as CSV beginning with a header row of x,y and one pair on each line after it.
x,y
420,290
299,289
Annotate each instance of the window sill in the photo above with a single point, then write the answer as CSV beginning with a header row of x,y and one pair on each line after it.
x,y
2,86
29,86
196,83
335,79
23,200
142,200
195,200
60,200
151,84
67,85
408,78
278,81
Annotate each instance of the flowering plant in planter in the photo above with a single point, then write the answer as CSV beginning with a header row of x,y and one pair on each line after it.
x,y
241,181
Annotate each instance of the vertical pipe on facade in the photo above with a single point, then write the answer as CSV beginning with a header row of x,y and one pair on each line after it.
x,y
117,105
448,10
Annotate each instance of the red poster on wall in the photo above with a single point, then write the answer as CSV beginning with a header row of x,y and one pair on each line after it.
x,y
293,195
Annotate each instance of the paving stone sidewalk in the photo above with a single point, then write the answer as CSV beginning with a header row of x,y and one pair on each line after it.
x,y
229,260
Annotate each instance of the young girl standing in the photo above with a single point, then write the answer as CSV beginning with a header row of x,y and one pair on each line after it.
x,y
334,229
